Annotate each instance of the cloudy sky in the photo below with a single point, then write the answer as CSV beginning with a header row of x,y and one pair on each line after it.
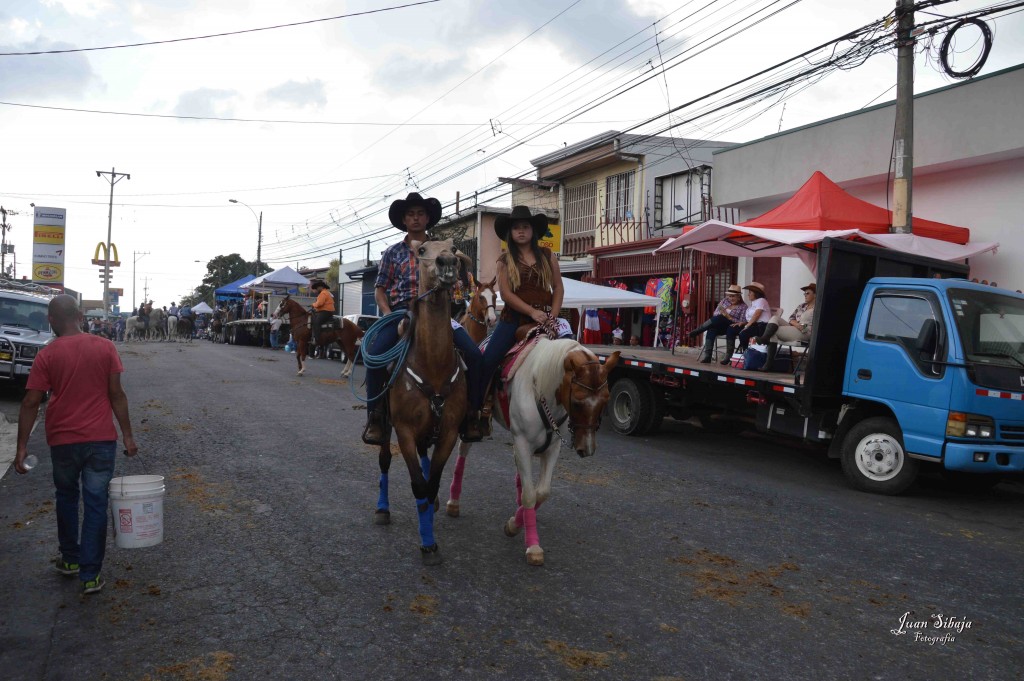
x,y
335,119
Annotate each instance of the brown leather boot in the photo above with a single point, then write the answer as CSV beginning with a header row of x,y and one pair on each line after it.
x,y
471,431
374,433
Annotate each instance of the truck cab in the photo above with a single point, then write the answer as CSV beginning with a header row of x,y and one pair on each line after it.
x,y
24,326
938,365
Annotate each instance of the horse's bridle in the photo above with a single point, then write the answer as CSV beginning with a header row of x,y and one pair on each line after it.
x,y
487,307
573,426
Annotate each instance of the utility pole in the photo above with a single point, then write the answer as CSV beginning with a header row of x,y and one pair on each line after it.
x,y
259,245
136,256
115,177
3,242
902,186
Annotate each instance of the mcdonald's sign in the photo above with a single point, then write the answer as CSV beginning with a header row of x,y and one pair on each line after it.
x,y
48,246
106,262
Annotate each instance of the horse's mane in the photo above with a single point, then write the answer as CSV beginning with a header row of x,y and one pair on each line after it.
x,y
545,363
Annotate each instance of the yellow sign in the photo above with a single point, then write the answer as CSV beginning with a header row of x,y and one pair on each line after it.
x,y
551,240
116,262
47,273
47,234
48,226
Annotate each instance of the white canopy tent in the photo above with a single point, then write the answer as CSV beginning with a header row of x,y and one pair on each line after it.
x,y
580,295
202,308
276,281
723,238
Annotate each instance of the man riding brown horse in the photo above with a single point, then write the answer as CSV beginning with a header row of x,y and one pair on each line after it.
x,y
323,309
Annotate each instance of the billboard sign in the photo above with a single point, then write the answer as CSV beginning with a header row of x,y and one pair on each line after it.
x,y
48,246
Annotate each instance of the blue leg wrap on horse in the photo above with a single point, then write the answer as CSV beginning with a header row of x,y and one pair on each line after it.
x,y
425,467
425,510
382,498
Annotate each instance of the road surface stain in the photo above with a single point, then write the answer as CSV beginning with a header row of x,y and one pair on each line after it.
x,y
577,658
424,605
214,666
725,579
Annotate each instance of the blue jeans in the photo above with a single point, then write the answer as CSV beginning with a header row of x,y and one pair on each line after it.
x,y
388,337
502,340
273,339
93,464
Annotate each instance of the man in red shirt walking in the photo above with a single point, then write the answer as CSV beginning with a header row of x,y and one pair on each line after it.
x,y
82,372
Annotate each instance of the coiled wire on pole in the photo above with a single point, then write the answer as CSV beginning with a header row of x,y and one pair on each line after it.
x,y
396,354
947,43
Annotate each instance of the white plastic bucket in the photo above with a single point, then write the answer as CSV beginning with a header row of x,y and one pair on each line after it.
x,y
137,508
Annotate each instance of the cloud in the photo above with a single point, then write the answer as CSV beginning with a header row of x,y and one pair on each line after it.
x,y
82,8
44,76
299,95
404,72
206,102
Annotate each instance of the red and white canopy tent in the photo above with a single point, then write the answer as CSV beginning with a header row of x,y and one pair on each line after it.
x,y
821,209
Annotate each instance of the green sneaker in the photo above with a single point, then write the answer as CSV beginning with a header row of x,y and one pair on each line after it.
x,y
93,585
65,568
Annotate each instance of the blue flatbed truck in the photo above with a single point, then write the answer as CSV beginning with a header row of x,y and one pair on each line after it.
x,y
909,364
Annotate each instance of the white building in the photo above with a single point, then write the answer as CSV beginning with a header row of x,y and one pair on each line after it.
x,y
968,171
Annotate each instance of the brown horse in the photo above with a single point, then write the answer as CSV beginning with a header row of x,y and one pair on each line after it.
x,y
298,321
429,398
480,315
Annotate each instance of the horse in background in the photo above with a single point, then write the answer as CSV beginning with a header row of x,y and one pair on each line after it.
x,y
559,382
183,328
478,322
298,321
429,399
172,327
480,316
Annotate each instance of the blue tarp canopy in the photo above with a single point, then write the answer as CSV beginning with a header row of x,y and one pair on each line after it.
x,y
232,290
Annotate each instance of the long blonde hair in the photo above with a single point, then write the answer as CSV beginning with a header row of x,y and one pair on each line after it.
x,y
511,263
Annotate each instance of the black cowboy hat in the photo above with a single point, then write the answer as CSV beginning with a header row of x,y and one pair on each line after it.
x,y
316,283
503,223
397,211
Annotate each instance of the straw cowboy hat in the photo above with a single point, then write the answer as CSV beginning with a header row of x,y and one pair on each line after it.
x,y
503,223
756,286
735,288
397,211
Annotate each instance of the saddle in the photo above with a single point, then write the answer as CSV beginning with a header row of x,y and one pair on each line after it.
x,y
332,323
514,359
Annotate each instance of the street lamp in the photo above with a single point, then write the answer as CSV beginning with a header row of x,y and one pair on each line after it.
x,y
259,223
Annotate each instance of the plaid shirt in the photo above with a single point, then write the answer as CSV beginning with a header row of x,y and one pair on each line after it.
x,y
398,274
736,313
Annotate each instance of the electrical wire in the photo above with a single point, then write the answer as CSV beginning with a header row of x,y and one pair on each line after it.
x,y
219,35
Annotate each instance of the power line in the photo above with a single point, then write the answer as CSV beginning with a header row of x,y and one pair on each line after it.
x,y
219,35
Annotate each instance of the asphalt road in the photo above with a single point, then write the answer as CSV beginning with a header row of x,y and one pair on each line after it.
x,y
685,555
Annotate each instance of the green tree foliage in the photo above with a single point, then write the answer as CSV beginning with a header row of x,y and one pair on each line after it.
x,y
331,278
220,271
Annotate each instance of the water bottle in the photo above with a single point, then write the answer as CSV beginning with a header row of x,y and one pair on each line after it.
x,y
30,462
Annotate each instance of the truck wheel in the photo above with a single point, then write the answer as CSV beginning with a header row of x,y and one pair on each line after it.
x,y
874,459
631,407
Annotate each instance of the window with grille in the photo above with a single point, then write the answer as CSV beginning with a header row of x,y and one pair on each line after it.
x,y
580,209
618,202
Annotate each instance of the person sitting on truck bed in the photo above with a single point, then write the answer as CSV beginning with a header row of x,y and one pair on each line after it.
x,y
754,323
796,330
730,310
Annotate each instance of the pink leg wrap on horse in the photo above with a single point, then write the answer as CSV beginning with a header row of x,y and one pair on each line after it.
x,y
519,516
530,518
455,491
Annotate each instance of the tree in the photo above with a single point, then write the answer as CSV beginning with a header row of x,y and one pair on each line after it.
x,y
220,271
331,277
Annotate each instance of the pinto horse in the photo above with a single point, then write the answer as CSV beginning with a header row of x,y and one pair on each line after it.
x,y
429,398
559,381
298,321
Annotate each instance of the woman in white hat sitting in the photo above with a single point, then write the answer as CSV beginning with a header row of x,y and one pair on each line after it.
x,y
754,323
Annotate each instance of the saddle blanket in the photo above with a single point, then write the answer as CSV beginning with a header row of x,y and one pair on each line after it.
x,y
514,359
